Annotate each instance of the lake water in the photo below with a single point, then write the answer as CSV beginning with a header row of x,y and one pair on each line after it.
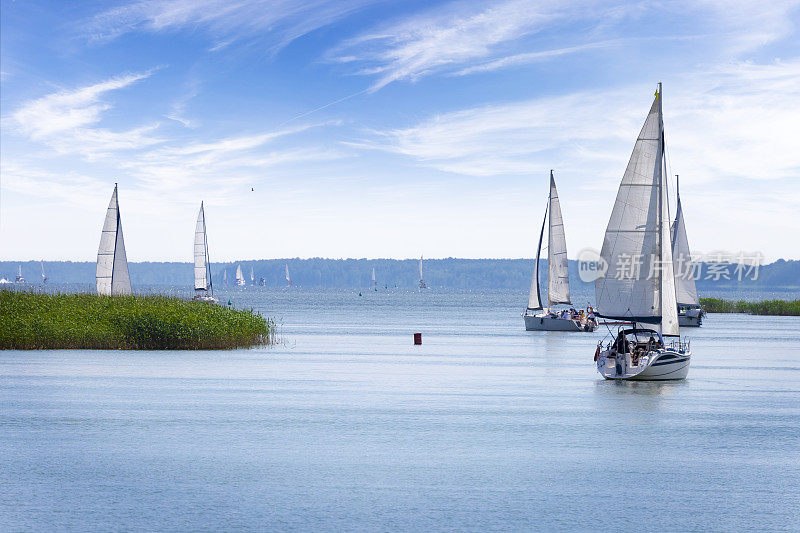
x,y
346,425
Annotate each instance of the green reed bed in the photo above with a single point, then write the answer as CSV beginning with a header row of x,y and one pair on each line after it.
x,y
767,307
31,321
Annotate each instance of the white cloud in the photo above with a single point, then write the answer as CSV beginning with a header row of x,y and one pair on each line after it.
x,y
471,37
275,23
63,120
439,41
735,121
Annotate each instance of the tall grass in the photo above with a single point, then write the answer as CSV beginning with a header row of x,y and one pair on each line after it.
x,y
85,321
767,307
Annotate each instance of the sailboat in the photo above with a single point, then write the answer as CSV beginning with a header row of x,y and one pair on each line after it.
x,y
644,294
225,277
112,263
689,311
202,265
44,277
19,278
422,284
239,276
557,276
288,277
374,283
252,277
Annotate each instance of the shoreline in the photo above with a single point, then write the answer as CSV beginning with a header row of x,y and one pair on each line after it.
x,y
764,307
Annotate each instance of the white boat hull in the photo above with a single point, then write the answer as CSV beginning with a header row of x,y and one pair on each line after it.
x,y
664,364
548,323
691,318
690,321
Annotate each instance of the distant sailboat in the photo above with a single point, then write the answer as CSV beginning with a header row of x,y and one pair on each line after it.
x,y
374,283
689,311
112,263
557,277
225,277
202,264
44,277
239,276
638,230
19,278
288,277
252,277
422,284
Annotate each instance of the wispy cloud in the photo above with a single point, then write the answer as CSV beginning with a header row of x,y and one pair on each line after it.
x,y
274,23
472,37
64,120
178,111
445,39
735,121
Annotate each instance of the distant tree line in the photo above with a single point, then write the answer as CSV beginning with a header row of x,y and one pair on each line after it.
x,y
402,273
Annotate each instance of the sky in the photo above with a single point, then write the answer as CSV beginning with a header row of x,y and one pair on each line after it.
x,y
379,129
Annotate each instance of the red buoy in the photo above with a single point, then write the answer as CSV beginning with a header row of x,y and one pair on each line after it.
x,y
417,338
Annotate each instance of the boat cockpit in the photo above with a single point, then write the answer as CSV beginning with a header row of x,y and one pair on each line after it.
x,y
637,342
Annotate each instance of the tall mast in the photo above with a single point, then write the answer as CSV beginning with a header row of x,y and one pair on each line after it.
x,y
660,196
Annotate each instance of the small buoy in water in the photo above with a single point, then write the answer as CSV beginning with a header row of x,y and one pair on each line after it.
x,y
229,303
417,338
359,294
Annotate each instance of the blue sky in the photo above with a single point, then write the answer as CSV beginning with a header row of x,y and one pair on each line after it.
x,y
388,129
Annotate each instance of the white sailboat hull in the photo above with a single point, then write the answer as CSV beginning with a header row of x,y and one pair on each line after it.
x,y
690,321
548,323
692,318
664,364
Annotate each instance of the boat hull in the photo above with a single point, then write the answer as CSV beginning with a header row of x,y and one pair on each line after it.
x,y
691,318
685,321
548,323
665,364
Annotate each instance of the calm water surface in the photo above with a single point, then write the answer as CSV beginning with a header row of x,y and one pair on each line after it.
x,y
348,426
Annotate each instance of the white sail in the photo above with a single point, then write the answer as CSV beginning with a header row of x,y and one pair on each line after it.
x,y
288,277
202,274
558,275
44,276
631,286
373,275
420,268
669,302
252,276
112,262
239,275
534,298
685,288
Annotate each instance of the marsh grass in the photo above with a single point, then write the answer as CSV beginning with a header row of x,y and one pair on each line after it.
x,y
31,321
767,307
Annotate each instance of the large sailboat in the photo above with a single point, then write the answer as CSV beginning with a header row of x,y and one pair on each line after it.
x,y
112,263
642,292
557,277
422,284
19,278
240,277
690,314
202,265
